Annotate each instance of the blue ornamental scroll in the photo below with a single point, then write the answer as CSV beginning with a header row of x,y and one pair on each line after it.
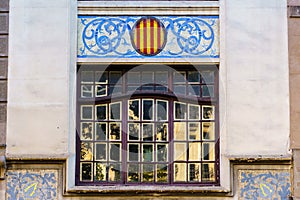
x,y
109,37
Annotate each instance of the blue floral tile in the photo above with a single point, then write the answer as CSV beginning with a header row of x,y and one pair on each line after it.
x,y
32,184
264,184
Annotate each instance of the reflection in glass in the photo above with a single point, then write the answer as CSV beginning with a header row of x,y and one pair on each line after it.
x,y
180,151
208,131
101,112
148,173
86,131
133,152
162,110
114,77
194,131
87,77
86,171
162,153
208,151
161,77
115,111
86,151
208,172
180,172
100,151
208,112
100,90
100,172
147,132
147,77
179,131
179,77
115,131
114,89
161,131
101,77
194,172
193,77
133,173
133,131
208,91
194,90
115,152
207,76
87,112
147,152
148,110
194,151
133,77
162,173
133,110
101,131
194,111
114,172
87,91
180,110
179,89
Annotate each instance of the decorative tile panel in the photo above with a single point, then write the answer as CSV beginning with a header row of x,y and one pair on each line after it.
x,y
110,37
264,184
32,184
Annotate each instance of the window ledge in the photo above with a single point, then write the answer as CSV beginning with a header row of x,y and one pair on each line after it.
x,y
151,190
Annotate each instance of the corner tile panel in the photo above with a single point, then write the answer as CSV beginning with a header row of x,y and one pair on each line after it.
x,y
32,184
264,184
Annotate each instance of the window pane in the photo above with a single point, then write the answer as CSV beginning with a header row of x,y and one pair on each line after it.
x,y
208,113
147,77
133,152
133,173
207,76
87,91
101,77
115,152
148,132
179,77
86,171
161,110
179,89
100,90
115,89
161,77
194,172
100,151
162,152
162,173
133,131
147,152
180,172
180,151
100,172
208,151
115,131
180,110
101,131
194,131
86,151
87,112
161,131
194,90
179,131
114,77
194,111
208,91
148,110
148,173
208,131
114,172
208,172
86,131
133,77
194,151
115,111
101,112
87,77
133,109
194,77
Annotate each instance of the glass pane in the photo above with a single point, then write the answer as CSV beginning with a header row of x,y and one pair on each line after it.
x,y
161,88
133,77
148,173
208,151
133,173
114,77
194,151
115,111
87,91
115,131
101,131
100,90
147,152
100,172
179,89
115,152
101,77
147,77
180,172
194,131
208,113
100,151
208,172
86,131
114,172
87,77
148,110
87,112
133,109
208,91
162,173
194,77
134,131
148,132
194,90
161,131
195,172
208,131
161,77
101,112
161,110
86,151
133,152
207,76
162,153
179,77
86,171
194,111
179,131
115,89
180,151
180,110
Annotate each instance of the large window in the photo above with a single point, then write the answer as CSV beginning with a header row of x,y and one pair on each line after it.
x,y
147,125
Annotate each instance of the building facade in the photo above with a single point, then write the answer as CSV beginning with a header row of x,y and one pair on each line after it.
x,y
148,100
